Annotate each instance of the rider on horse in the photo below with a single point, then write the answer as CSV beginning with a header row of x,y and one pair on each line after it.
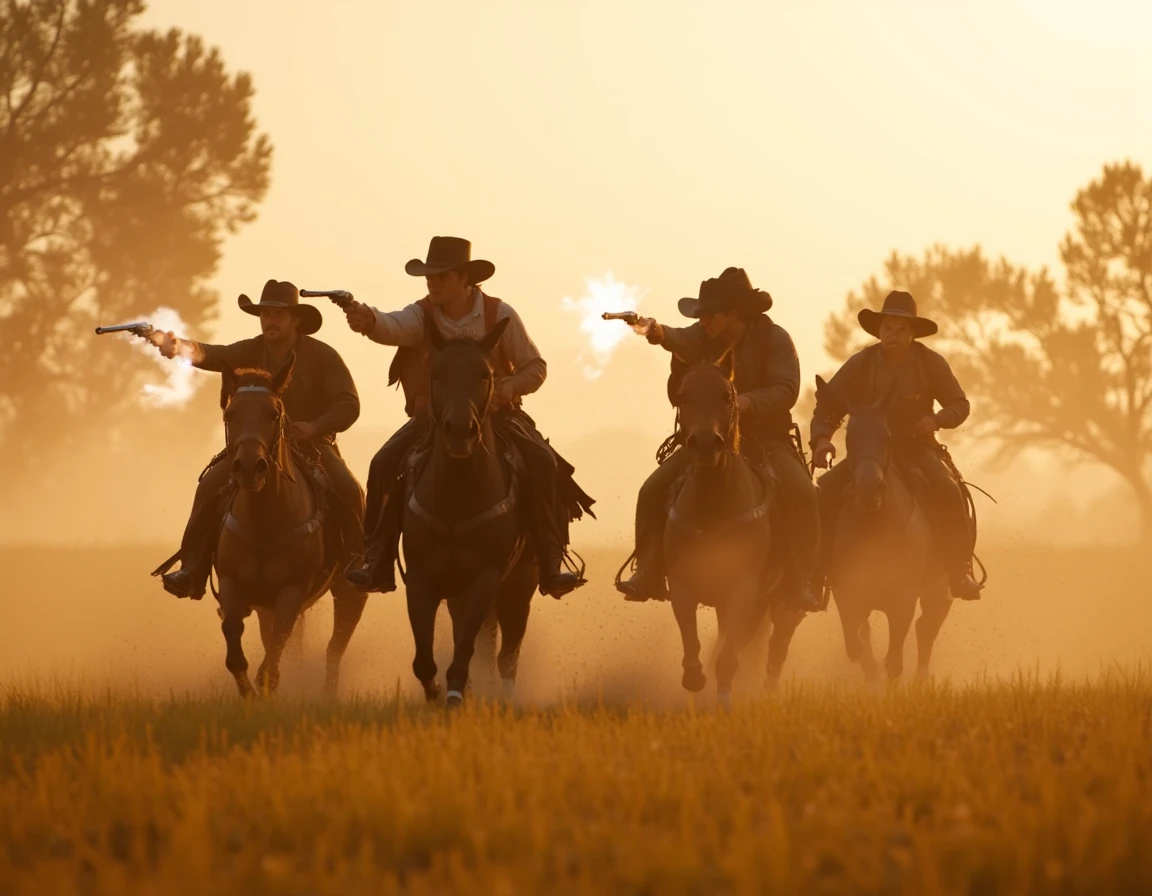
x,y
732,314
320,401
460,309
909,378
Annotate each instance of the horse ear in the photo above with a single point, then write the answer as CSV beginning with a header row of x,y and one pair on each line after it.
x,y
284,375
821,385
492,337
435,337
727,365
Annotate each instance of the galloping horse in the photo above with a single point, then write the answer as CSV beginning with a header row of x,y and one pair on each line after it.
x,y
718,540
272,554
882,558
464,540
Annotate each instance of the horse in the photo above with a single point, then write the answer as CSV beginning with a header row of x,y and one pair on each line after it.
x,y
272,554
882,557
718,538
463,538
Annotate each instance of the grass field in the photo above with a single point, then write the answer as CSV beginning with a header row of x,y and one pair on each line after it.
x,y
1019,787
127,764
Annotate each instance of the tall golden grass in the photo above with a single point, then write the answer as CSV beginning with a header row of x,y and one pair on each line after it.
x,y
1025,786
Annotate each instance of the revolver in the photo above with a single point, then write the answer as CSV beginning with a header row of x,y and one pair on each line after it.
x,y
341,298
629,317
141,328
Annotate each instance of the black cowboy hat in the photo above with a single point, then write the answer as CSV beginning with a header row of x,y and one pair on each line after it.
x,y
282,294
731,291
450,253
897,304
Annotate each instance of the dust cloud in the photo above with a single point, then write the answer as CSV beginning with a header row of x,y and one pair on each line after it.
x,y
92,618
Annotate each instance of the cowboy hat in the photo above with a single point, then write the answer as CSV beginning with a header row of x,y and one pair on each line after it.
x,y
282,294
450,253
731,291
898,304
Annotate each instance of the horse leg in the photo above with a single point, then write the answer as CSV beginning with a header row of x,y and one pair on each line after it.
x,y
232,615
784,624
899,622
295,646
347,608
850,621
867,657
288,605
935,604
729,626
512,608
694,678
475,604
422,607
267,630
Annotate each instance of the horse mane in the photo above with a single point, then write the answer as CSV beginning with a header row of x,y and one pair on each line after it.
x,y
732,436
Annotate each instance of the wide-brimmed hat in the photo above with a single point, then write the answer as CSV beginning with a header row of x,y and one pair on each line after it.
x,y
282,294
731,291
451,253
897,304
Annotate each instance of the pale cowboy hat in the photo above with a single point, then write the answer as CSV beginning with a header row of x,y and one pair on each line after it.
x,y
450,253
282,294
898,304
731,291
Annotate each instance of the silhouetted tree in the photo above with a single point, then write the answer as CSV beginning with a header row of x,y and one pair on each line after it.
x,y
1047,367
126,155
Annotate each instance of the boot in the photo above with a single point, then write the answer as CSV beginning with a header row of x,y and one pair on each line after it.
x,y
556,582
647,582
187,581
964,586
378,572
805,597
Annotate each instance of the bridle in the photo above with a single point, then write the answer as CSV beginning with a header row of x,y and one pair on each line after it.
x,y
272,451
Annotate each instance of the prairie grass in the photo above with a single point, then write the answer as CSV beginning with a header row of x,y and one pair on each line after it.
x,y
1027,786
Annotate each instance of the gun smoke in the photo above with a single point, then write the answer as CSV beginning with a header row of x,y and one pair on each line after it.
x,y
179,375
603,294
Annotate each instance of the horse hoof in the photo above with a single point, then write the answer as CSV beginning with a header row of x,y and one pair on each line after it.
x,y
694,680
724,699
431,691
508,688
455,700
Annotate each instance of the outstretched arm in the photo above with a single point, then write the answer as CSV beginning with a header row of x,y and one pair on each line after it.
x,y
403,327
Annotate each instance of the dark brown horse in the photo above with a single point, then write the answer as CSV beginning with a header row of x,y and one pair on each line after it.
x,y
464,540
718,540
882,558
272,554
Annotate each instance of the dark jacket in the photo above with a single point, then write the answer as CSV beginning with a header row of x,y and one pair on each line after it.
x,y
321,391
865,379
767,371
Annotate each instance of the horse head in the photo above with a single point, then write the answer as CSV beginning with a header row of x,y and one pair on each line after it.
x,y
868,446
708,409
463,379
254,422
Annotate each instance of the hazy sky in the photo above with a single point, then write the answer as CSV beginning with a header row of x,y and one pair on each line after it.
x,y
662,141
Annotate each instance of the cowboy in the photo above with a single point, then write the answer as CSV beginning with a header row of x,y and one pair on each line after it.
x,y
460,309
911,378
730,313
320,401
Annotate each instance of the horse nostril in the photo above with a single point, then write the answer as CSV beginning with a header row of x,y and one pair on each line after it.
x,y
473,427
261,467
236,467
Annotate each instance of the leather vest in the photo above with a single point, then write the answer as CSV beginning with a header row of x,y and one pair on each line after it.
x,y
410,365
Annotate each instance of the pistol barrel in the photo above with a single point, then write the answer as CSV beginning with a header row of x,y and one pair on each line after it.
x,y
139,326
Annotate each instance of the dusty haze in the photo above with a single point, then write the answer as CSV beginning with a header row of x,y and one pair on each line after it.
x,y
569,140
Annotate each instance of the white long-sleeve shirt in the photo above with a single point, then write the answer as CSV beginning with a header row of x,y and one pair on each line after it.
x,y
406,328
